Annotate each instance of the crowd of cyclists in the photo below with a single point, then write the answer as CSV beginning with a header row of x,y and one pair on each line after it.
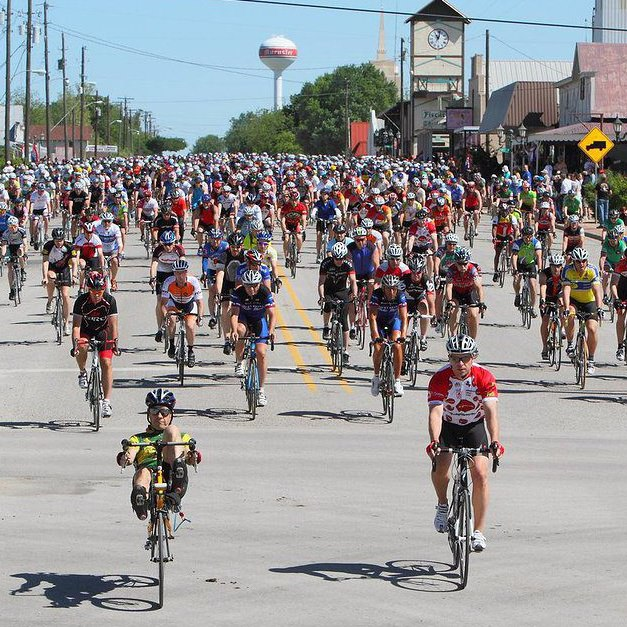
x,y
396,235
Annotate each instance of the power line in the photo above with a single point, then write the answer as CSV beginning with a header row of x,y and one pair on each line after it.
x,y
435,16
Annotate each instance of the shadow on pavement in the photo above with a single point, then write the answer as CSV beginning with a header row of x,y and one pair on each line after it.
x,y
52,425
22,343
71,590
222,414
352,415
621,400
419,575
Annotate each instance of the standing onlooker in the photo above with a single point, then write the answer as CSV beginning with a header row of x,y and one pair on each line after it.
x,y
566,187
603,198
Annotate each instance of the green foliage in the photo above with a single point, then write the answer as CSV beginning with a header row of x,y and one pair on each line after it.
x,y
160,144
209,143
618,185
319,110
262,131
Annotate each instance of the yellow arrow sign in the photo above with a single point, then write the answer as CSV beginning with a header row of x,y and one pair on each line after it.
x,y
596,144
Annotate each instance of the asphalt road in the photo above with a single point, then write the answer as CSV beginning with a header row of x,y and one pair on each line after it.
x,y
318,512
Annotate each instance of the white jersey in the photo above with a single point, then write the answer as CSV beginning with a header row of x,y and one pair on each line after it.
x,y
39,201
111,238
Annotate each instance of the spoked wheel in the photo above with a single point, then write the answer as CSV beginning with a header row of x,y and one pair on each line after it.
x,y
582,361
502,268
161,557
58,321
95,401
180,358
252,389
471,232
412,359
387,390
463,537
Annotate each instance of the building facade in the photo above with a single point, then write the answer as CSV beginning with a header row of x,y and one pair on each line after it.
x,y
609,14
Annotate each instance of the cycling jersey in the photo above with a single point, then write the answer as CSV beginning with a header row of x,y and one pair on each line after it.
x,y
526,251
422,233
39,201
263,270
58,257
388,309
110,237
336,277
210,256
463,281
401,271
94,316
147,455
88,248
574,237
447,259
440,215
206,213
78,198
165,258
581,282
504,225
462,401
362,257
148,208
252,308
325,210
181,294
553,285
613,253
14,238
293,214
417,290
528,200
163,224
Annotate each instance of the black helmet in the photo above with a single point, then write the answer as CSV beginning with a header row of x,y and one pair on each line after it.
x,y
160,396
235,239
527,230
95,281
58,234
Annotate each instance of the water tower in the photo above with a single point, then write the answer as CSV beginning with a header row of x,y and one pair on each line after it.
x,y
278,53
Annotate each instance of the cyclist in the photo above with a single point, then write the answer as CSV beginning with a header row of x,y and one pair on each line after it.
x,y
464,287
148,211
336,281
324,212
526,259
269,257
182,293
160,405
393,264
58,265
381,216
463,411
550,294
574,236
420,294
443,259
471,206
422,239
213,248
527,203
14,240
293,216
504,230
88,251
39,206
339,235
619,293
95,316
388,320
582,294
612,251
206,216
253,260
252,312
179,209
546,225
112,245
78,201
163,258
119,209
611,223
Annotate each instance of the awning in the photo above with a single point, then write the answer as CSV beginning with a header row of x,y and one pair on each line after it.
x,y
573,133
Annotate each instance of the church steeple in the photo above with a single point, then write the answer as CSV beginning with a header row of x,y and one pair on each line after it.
x,y
381,49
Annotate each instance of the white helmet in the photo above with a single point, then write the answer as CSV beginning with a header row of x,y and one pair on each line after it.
x,y
339,250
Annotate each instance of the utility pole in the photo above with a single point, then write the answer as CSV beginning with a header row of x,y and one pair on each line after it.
x,y
487,82
82,115
402,111
97,116
122,124
107,121
65,140
29,45
47,69
73,132
7,99
348,123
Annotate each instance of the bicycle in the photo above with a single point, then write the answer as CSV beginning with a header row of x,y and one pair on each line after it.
x,y
160,527
525,299
250,383
411,356
472,230
554,342
39,238
149,244
291,261
361,313
94,394
580,356
622,305
546,251
324,240
180,343
386,374
460,510
462,324
335,344
504,262
13,263
57,319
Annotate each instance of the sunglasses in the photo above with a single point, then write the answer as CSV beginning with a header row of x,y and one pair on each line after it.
x,y
458,358
360,239
164,411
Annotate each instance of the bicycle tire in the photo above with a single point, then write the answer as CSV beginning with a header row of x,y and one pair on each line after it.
x,y
412,357
58,320
218,310
362,321
252,388
391,400
471,231
95,399
338,352
181,356
464,532
161,558
293,257
582,357
558,346
502,268
462,326
387,388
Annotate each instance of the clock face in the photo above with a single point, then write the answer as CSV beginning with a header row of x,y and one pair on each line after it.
x,y
438,38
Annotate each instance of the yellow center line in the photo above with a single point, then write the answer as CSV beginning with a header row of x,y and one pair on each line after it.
x,y
309,324
294,352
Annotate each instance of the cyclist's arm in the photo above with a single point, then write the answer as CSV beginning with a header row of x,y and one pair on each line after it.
x,y
515,261
234,319
538,254
542,286
195,219
153,269
219,280
479,288
321,280
566,295
271,320
353,285
112,329
490,407
402,312
435,421
372,320
598,293
45,264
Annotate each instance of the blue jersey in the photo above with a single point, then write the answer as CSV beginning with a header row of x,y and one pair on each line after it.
x,y
332,242
211,256
362,258
387,310
263,269
4,222
197,195
325,210
252,308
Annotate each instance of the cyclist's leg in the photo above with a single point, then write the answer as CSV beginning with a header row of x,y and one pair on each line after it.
x,y
242,332
480,490
190,330
397,352
262,349
592,325
473,321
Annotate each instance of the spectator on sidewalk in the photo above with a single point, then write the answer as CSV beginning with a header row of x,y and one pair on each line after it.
x,y
604,192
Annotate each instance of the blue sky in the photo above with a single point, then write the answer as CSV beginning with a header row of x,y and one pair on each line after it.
x,y
191,101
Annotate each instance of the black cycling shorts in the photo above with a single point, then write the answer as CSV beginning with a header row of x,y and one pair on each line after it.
x,y
588,308
465,298
472,435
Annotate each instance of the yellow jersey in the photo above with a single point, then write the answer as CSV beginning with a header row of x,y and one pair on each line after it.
x,y
581,282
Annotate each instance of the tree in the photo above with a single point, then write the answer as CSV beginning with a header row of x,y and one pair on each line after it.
x,y
262,131
319,110
209,143
163,144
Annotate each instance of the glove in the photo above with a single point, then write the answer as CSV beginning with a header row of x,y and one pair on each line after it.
x,y
432,448
120,458
193,232
497,448
483,307
601,312
72,352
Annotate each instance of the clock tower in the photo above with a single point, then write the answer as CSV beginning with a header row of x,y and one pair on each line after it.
x,y
437,74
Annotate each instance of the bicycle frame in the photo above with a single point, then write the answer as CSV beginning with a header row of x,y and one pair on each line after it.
x,y
335,344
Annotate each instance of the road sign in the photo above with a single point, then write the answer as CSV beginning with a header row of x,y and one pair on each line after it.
x,y
102,149
596,144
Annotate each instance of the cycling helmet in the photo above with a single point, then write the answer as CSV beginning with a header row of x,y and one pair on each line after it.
x,y
411,196
527,230
614,234
620,229
214,233
367,223
249,212
375,191
390,280
422,215
180,265
251,277
462,255
360,231
441,201
461,345
417,263
226,189
3,206
107,217
264,236
451,238
12,221
95,281
58,234
579,254
379,200
256,225
160,396
556,260
613,213
235,239
545,205
573,218
89,227
339,250
254,256
339,229
394,252
206,198
251,197
167,237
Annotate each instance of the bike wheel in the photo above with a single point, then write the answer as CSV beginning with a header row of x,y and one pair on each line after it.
x,y
463,535
412,359
181,357
338,352
471,232
293,259
58,320
95,399
391,397
502,268
582,358
252,389
161,556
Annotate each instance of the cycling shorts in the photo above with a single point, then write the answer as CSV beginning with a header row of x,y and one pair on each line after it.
x,y
256,327
395,324
160,278
367,277
588,308
63,277
190,308
465,298
106,352
528,268
472,435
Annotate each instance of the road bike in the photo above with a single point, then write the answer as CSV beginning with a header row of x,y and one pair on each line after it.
x,y
149,244
525,307
291,260
543,237
462,324
251,383
460,510
335,344
504,263
411,355
580,356
554,341
324,242
180,342
39,239
13,265
57,320
386,374
160,530
472,229
361,313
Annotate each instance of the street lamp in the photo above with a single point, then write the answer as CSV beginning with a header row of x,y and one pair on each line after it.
x,y
500,133
118,121
618,127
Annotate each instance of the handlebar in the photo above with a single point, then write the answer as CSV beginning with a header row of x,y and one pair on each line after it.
x,y
254,338
467,452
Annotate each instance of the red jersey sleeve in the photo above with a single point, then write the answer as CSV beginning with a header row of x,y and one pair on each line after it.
x,y
438,386
485,381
